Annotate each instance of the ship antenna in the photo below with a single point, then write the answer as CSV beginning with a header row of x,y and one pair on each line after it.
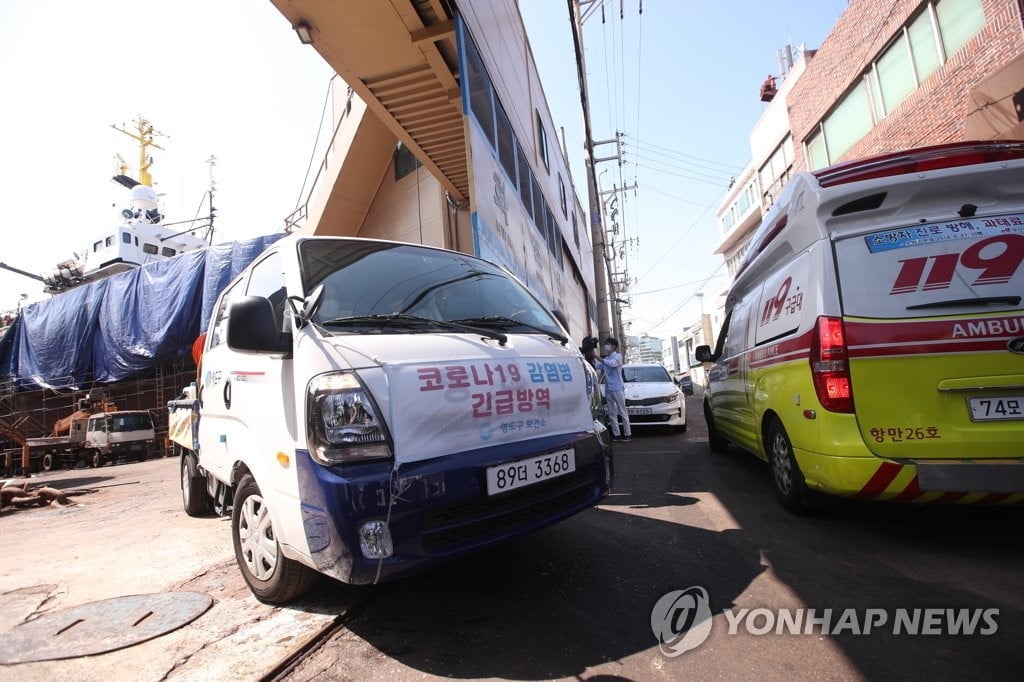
x,y
144,134
212,161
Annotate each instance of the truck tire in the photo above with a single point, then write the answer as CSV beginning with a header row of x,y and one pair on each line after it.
x,y
272,577
49,461
96,459
193,488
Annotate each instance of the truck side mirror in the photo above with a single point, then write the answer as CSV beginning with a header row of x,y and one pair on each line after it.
x,y
253,328
703,354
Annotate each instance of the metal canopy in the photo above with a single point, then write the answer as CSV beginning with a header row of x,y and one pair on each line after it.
x,y
400,57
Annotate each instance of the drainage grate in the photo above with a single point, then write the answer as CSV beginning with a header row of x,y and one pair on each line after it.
x,y
101,626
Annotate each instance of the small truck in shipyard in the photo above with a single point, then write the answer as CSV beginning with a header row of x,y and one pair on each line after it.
x,y
94,434
365,409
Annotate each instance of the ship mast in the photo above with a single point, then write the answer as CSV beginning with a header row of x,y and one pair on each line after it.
x,y
144,133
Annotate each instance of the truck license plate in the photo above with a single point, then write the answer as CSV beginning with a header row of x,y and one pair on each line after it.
x,y
512,475
988,409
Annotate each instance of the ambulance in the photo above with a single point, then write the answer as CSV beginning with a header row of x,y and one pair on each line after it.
x,y
365,409
873,345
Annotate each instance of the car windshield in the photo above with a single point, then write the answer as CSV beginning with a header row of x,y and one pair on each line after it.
x,y
369,283
645,374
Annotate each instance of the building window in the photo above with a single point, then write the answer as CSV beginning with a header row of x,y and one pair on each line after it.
x,y
405,162
542,142
575,230
912,56
506,144
775,173
561,197
958,21
480,102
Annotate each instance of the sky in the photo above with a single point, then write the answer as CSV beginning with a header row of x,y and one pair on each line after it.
x,y
229,79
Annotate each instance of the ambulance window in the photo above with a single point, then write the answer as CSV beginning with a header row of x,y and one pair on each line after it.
x,y
218,335
267,280
735,339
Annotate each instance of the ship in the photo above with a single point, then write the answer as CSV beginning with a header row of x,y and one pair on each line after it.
x,y
142,235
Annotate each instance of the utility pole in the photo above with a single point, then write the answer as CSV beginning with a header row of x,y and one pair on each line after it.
x,y
597,236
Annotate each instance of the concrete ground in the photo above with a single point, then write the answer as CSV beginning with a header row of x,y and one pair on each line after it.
x,y
127,534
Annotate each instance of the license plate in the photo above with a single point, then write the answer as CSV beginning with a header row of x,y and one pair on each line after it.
x,y
505,477
989,409
638,410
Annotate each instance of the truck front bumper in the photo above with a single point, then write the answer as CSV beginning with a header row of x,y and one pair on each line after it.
x,y
439,509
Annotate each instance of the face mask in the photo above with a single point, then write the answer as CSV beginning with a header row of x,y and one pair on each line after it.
x,y
607,348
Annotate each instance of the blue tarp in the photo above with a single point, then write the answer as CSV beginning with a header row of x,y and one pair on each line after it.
x,y
117,327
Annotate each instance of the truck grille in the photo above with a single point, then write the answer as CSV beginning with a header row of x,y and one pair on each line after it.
x,y
469,522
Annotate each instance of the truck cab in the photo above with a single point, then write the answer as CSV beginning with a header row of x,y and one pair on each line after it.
x,y
366,409
112,435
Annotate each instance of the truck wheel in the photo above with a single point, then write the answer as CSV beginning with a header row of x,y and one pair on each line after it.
x,y
193,488
787,479
715,440
272,577
96,459
48,462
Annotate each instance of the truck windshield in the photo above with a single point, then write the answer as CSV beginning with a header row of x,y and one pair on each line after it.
x,y
135,421
366,279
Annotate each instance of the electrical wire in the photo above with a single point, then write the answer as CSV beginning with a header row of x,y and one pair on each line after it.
x,y
316,142
675,152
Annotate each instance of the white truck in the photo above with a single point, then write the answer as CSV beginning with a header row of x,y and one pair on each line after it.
x,y
364,409
96,439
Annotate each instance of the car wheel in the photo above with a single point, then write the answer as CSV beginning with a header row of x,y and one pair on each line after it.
x,y
272,577
787,479
715,440
193,488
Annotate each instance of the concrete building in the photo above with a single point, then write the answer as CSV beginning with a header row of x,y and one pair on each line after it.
x,y
644,349
445,138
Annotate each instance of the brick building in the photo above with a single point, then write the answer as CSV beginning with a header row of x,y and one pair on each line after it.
x,y
895,74
891,74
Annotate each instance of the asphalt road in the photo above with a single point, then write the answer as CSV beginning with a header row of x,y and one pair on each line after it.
x,y
575,600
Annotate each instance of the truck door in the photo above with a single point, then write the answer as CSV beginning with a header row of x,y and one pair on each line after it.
x,y
214,396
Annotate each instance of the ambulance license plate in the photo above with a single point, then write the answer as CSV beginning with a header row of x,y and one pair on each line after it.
x,y
512,475
989,409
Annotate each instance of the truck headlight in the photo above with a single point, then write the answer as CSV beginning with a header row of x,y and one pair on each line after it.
x,y
343,421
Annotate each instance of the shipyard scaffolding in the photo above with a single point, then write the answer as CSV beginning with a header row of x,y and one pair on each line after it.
x,y
33,414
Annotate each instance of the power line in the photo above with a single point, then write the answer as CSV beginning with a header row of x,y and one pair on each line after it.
x,y
718,175
642,143
674,286
718,183
642,151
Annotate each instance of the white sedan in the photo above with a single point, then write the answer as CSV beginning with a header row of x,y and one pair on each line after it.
x,y
652,398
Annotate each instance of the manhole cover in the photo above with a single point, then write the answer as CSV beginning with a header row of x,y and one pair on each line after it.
x,y
101,626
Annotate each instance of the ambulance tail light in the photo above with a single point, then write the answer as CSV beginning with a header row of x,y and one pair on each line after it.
x,y
920,160
830,368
